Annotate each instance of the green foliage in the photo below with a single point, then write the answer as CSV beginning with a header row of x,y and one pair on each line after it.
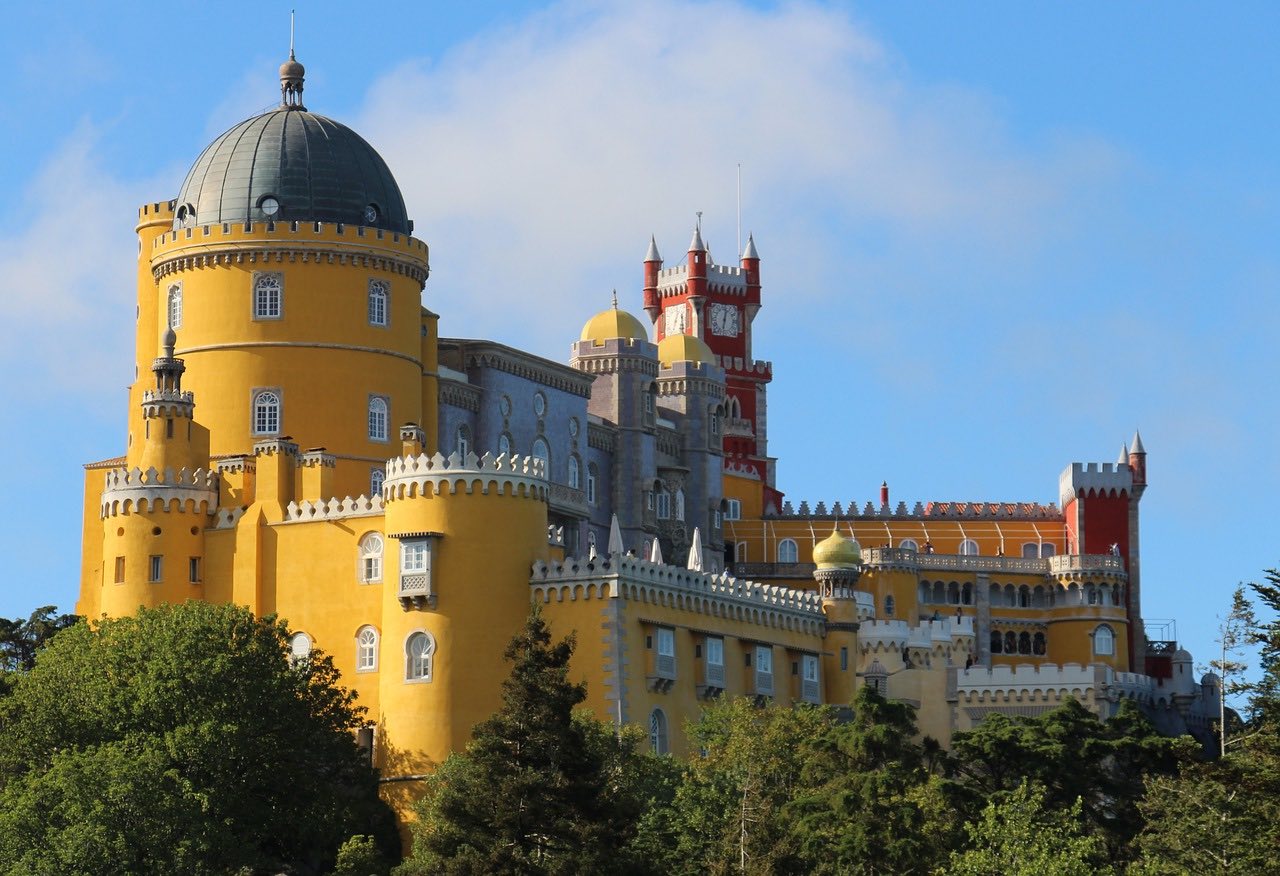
x,y
1022,836
538,790
20,640
182,739
360,856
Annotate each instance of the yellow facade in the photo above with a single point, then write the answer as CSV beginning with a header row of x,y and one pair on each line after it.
x,y
286,452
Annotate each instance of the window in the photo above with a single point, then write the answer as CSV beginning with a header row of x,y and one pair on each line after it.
x,y
1024,643
378,290
809,689
378,418
648,402
539,403
764,660
715,652
969,548
371,558
664,505
592,480
541,451
376,479
193,570
715,421
715,519
266,413
888,606
419,649
997,642
1031,550
366,649
119,570
300,646
575,473
1047,550
844,659
679,504
175,306
1038,645
155,568
788,552
733,509
658,732
413,557
1104,642
909,544
268,295
462,441
504,444
666,662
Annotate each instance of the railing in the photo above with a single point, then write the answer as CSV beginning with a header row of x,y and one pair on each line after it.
x,y
980,563
764,683
715,675
1086,563
415,591
756,571
665,665
565,498
738,428
809,690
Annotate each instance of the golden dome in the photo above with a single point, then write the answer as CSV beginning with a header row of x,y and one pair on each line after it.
x,y
837,551
613,323
684,348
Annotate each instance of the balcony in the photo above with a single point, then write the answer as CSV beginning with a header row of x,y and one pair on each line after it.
x,y
809,691
712,681
764,571
764,684
567,500
664,673
415,591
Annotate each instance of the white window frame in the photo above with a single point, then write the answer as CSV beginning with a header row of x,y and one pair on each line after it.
x,y
659,740
414,556
788,551
462,441
664,505
715,651
267,411
419,657
377,477
678,504
592,483
504,444
540,449
909,544
379,303
665,642
968,548
367,649
733,509
173,305
268,295
763,656
575,473
155,568
372,547
300,645
1104,631
809,667
379,418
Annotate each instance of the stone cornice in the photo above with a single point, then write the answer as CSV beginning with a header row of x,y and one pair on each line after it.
x,y
280,252
489,354
460,395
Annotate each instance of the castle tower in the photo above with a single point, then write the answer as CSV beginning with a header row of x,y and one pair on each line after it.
x,y
838,561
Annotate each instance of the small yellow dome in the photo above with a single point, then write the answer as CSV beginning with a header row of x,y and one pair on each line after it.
x,y
613,323
684,348
837,551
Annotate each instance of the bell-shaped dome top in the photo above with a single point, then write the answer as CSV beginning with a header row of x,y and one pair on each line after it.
x,y
291,165
613,323
684,348
837,551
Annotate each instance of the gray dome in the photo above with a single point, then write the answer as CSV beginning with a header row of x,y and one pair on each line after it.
x,y
309,168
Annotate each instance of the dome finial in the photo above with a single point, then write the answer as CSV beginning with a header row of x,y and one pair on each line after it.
x,y
615,299
291,76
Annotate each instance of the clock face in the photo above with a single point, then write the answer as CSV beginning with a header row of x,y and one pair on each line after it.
x,y
371,214
675,320
724,320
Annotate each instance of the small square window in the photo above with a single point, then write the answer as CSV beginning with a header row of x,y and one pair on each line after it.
x,y
119,570
193,570
155,568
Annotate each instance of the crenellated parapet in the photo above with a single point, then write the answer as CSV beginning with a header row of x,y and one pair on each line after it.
x,y
719,595
1087,567
167,403
1094,478
130,491
880,636
997,511
410,476
333,509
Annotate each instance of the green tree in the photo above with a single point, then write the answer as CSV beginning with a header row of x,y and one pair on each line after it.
x,y
536,791
1022,836
20,640
1236,631
182,739
360,856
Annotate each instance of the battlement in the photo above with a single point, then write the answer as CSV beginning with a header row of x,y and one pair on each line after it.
x,y
619,576
333,509
237,243
409,476
156,210
896,635
1094,478
758,368
720,278
167,403
962,510
131,491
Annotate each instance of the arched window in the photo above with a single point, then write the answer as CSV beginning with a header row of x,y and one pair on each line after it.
x,y
788,552
593,481
1047,550
175,306
966,594
268,295
658,732
1104,642
371,558
908,544
664,504
300,646
541,451
419,649
1038,645
997,642
266,413
1037,598
1031,550
924,594
462,441
1090,594
969,548
1024,596
939,593
714,418
1024,643
378,302
888,606
953,593
740,552
376,479
679,504
504,444
575,473
378,418
1010,643
996,595
366,649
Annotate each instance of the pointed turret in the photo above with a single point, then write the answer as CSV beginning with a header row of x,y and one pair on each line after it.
x,y
696,245
652,254
1138,462
652,266
750,251
1137,442
1124,455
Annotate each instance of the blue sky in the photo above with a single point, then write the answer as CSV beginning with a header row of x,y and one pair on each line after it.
x,y
997,237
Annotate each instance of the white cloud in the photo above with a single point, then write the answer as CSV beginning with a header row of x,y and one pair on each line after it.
x,y
536,160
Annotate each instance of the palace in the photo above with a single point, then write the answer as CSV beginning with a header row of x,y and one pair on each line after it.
x,y
303,441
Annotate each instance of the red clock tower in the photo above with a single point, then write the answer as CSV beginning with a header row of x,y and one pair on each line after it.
x,y
718,304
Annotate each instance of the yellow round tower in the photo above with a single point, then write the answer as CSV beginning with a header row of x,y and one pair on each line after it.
x,y
838,561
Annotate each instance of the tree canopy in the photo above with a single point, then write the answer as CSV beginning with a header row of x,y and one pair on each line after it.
x,y
182,739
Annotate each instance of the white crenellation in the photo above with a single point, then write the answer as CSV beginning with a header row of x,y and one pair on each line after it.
x,y
130,491
410,476
935,510
720,595
333,509
895,635
1106,478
